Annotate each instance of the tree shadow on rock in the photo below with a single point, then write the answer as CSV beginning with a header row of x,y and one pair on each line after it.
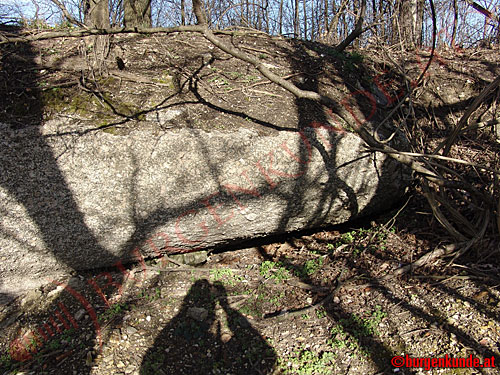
x,y
56,239
208,335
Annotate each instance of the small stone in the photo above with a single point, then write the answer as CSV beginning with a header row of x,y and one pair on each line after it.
x,y
197,313
251,217
79,314
148,318
484,342
131,330
55,292
225,337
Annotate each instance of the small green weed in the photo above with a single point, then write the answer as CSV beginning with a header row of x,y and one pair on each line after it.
x,y
348,237
350,331
234,75
67,335
320,312
357,251
225,276
311,267
113,310
153,364
251,79
275,300
152,296
274,270
54,344
249,310
220,81
306,362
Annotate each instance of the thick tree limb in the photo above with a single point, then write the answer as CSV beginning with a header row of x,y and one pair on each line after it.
x,y
8,38
425,259
358,29
485,12
67,15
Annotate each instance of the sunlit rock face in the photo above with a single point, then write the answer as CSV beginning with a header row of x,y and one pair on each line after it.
x,y
74,200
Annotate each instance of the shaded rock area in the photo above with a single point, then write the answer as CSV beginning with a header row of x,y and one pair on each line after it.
x,y
72,200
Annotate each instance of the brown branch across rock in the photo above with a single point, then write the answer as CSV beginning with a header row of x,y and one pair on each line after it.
x,y
9,38
352,117
342,112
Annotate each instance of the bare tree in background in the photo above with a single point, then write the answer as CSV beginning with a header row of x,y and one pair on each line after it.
x,y
409,23
183,12
463,22
296,20
137,13
96,13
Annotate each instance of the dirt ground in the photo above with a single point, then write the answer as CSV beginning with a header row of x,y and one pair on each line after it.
x,y
319,303
330,301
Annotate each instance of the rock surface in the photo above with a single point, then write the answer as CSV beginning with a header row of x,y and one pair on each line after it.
x,y
74,200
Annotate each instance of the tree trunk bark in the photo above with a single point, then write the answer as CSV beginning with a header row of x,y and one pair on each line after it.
x,y
408,22
455,21
325,17
183,12
259,18
334,24
312,20
419,27
382,31
137,13
296,27
96,13
394,16
305,18
281,17
357,29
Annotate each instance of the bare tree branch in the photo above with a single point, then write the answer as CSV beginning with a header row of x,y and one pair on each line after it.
x,y
9,38
358,29
67,15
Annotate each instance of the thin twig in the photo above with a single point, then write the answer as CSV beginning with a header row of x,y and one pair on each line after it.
x,y
190,269
446,158
427,258
292,313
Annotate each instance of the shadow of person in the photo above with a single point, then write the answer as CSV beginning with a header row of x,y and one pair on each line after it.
x,y
208,336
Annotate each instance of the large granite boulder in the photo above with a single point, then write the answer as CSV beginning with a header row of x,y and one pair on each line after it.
x,y
73,200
